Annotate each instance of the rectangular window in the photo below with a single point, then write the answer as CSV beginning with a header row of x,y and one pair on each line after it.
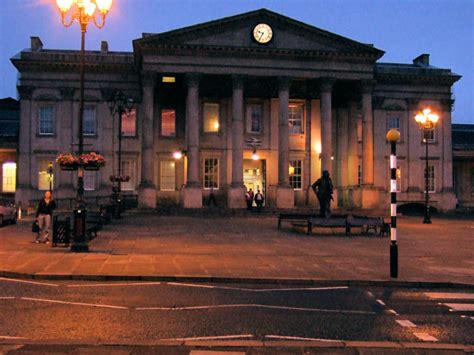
x,y
9,177
167,175
168,123
211,117
296,174
128,169
472,182
44,177
89,180
295,118
399,179
46,120
431,179
129,124
90,121
254,118
211,173
393,123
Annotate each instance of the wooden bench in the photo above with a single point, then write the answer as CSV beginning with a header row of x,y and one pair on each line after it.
x,y
295,218
368,223
323,222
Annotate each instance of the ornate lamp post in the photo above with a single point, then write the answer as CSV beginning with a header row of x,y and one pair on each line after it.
x,y
119,103
426,121
82,12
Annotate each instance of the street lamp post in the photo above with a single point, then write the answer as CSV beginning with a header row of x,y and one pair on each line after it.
x,y
119,103
82,12
426,121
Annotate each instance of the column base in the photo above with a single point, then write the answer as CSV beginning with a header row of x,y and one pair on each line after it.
x,y
285,197
370,197
236,197
192,197
147,197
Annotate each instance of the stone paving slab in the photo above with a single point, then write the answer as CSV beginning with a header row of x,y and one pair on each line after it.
x,y
147,245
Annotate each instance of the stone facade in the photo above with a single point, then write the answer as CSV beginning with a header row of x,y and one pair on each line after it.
x,y
9,130
463,164
306,101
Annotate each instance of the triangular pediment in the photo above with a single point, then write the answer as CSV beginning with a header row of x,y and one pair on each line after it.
x,y
237,32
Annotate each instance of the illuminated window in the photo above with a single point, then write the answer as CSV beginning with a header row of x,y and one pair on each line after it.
x,y
44,178
89,180
90,121
46,120
296,174
211,173
211,117
167,175
129,124
168,79
128,169
168,123
295,118
9,177
254,118
399,179
431,179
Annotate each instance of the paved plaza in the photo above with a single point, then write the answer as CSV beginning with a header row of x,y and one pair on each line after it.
x,y
150,246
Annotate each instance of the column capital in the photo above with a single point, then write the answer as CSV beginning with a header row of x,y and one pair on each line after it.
x,y
283,83
26,92
237,81
367,86
326,84
148,79
192,79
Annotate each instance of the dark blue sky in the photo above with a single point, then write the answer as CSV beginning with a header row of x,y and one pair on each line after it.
x,y
402,28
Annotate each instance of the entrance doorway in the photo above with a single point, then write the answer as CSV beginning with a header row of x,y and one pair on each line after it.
x,y
255,176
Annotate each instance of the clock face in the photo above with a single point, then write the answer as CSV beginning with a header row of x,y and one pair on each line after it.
x,y
262,33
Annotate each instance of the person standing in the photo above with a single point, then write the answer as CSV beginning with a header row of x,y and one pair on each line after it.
x,y
323,188
259,201
44,215
249,199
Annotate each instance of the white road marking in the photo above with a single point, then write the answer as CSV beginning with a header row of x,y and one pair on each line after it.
x,y
252,306
29,282
7,337
425,337
450,296
392,311
213,337
257,290
405,323
72,303
381,302
7,298
460,307
117,284
299,338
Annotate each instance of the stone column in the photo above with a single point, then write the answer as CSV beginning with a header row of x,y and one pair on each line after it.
x,y
192,191
369,193
147,188
236,193
285,193
326,124
353,157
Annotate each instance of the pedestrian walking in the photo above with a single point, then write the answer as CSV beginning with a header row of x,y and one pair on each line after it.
x,y
323,188
259,201
249,199
44,215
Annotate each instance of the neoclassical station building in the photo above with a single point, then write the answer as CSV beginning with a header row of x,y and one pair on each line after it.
x,y
257,100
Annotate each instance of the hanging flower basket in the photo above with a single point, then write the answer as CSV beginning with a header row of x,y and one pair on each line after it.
x,y
92,161
67,161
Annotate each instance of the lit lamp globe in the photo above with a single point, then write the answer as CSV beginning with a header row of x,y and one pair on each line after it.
x,y
393,135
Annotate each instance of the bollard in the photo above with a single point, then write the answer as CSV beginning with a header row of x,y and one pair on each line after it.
x,y
393,136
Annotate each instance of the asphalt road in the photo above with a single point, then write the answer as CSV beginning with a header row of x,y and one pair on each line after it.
x,y
145,312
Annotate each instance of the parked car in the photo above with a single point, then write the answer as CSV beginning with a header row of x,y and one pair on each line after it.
x,y
8,211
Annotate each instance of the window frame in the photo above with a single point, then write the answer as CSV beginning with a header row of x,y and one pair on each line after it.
x,y
248,122
303,116
161,122
90,174
53,119
390,117
206,103
162,163
431,179
134,135
216,173
45,173
300,163
131,184
92,108
11,179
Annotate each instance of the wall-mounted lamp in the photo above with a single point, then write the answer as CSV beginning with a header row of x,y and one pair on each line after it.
x,y
255,155
179,154
332,158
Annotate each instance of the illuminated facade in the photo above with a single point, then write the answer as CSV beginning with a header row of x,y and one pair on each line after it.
x,y
223,92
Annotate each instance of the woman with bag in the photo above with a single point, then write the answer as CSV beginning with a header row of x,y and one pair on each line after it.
x,y
44,215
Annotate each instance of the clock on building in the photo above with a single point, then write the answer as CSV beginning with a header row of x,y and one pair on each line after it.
x,y
262,33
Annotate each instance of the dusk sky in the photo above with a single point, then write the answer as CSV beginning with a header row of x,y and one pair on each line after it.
x,y
402,28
